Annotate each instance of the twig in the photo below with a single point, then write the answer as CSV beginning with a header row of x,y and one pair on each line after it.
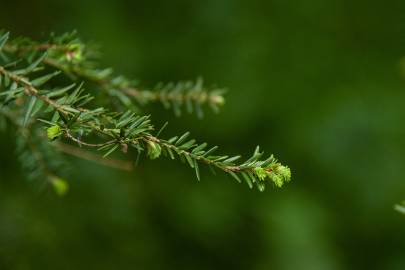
x,y
113,163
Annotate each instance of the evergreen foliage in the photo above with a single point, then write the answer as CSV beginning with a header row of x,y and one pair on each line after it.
x,y
42,96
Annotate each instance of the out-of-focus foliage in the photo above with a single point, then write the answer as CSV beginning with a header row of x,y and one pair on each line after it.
x,y
317,82
400,207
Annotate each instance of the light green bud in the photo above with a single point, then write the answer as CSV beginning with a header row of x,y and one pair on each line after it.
x,y
260,172
285,172
154,150
53,132
277,180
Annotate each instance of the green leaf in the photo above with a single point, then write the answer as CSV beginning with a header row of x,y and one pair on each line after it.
x,y
60,92
234,175
172,140
162,128
197,170
3,39
187,145
199,148
189,160
231,159
247,179
33,65
170,153
210,151
260,186
111,150
182,138
41,80
31,105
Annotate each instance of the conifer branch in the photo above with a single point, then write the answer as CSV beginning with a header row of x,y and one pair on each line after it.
x,y
69,55
65,113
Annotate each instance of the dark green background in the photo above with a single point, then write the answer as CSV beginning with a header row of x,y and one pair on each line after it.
x,y
318,83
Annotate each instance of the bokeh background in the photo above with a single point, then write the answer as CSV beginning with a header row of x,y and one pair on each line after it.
x,y
317,82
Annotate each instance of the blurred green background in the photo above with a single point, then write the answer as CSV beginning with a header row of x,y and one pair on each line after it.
x,y
318,83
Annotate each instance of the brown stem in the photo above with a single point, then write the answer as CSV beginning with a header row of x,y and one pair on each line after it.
x,y
113,163
68,135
